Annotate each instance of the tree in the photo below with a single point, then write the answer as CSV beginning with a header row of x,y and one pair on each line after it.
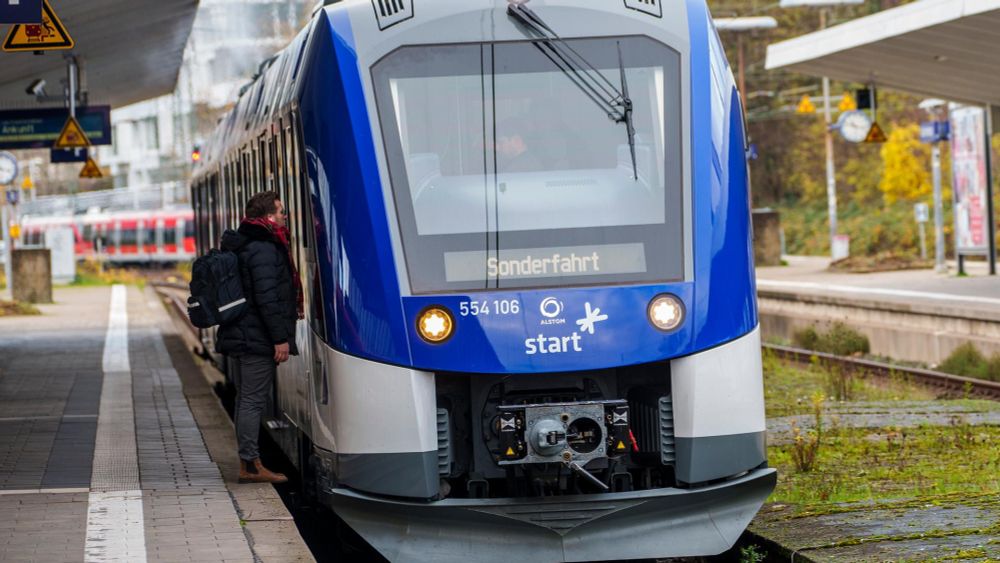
x,y
905,172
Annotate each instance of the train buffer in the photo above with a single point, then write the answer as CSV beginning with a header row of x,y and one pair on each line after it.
x,y
113,446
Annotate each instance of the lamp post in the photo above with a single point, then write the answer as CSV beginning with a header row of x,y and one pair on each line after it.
x,y
831,173
740,26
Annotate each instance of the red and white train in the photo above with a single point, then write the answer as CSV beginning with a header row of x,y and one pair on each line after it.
x,y
164,235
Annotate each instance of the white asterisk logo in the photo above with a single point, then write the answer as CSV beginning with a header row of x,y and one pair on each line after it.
x,y
593,316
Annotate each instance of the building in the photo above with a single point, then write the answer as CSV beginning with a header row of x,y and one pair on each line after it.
x,y
153,140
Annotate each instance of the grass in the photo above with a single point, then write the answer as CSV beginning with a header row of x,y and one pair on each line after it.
x,y
789,389
857,464
91,273
876,464
17,308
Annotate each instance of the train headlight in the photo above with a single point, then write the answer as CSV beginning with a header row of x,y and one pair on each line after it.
x,y
435,324
666,312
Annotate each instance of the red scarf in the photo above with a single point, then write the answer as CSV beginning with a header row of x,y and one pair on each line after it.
x,y
281,235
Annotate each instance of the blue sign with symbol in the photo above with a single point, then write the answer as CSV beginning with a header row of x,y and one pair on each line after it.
x,y
12,197
20,11
39,128
934,131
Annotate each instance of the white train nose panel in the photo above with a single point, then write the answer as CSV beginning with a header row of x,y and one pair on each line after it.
x,y
719,420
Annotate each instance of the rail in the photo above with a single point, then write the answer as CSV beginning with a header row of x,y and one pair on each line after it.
x,y
926,377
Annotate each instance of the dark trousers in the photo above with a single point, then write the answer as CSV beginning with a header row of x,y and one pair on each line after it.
x,y
254,385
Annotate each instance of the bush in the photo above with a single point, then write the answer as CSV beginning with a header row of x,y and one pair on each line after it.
x,y
807,339
885,230
844,341
968,361
965,360
841,340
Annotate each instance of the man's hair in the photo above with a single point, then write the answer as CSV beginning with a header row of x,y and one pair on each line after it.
x,y
262,205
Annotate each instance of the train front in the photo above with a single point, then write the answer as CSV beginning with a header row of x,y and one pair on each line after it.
x,y
541,327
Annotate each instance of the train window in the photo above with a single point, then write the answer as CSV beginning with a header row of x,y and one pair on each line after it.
x,y
88,232
188,229
267,163
149,238
289,171
127,236
524,182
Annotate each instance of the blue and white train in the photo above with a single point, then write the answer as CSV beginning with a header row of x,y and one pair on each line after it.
x,y
523,229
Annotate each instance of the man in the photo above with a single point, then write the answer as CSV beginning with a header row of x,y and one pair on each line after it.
x,y
514,152
265,336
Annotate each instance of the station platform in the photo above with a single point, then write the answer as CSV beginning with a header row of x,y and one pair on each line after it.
x,y
113,446
809,275
910,315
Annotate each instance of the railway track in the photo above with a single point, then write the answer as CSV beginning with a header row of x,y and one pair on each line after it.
x,y
176,293
944,382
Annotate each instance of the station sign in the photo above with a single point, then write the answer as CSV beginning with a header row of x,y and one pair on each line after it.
x,y
20,11
41,128
91,170
72,136
934,131
45,34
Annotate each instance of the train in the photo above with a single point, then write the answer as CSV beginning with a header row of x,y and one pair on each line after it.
x,y
121,237
523,229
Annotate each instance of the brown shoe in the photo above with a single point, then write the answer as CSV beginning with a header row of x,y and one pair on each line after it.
x,y
255,472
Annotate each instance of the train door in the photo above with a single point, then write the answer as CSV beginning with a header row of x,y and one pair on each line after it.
x,y
116,239
160,225
296,398
140,240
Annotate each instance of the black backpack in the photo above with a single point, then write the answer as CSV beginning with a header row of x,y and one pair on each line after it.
x,y
216,290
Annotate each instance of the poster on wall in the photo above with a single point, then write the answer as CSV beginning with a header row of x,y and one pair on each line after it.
x,y
968,166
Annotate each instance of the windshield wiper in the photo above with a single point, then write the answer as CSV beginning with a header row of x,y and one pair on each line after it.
x,y
627,111
614,102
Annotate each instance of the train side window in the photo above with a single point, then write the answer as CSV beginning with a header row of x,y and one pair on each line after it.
x,y
88,232
128,236
291,149
278,152
213,210
150,236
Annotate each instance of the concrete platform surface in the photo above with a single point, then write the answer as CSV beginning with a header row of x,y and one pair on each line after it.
x,y
809,275
101,456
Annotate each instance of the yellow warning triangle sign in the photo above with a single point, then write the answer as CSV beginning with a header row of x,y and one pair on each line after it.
x,y
91,170
510,451
620,446
876,134
805,105
72,136
48,35
847,103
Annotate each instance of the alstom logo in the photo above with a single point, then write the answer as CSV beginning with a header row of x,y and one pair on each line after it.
x,y
550,307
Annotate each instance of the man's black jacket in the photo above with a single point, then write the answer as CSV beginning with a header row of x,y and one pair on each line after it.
x,y
269,289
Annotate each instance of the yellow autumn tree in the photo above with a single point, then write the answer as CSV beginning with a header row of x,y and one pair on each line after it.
x,y
906,173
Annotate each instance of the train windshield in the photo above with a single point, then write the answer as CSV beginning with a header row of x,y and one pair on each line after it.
x,y
506,173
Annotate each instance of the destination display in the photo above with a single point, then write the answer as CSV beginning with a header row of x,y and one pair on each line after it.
x,y
40,128
566,261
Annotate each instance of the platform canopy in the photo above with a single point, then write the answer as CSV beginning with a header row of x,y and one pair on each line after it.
x,y
130,50
946,49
